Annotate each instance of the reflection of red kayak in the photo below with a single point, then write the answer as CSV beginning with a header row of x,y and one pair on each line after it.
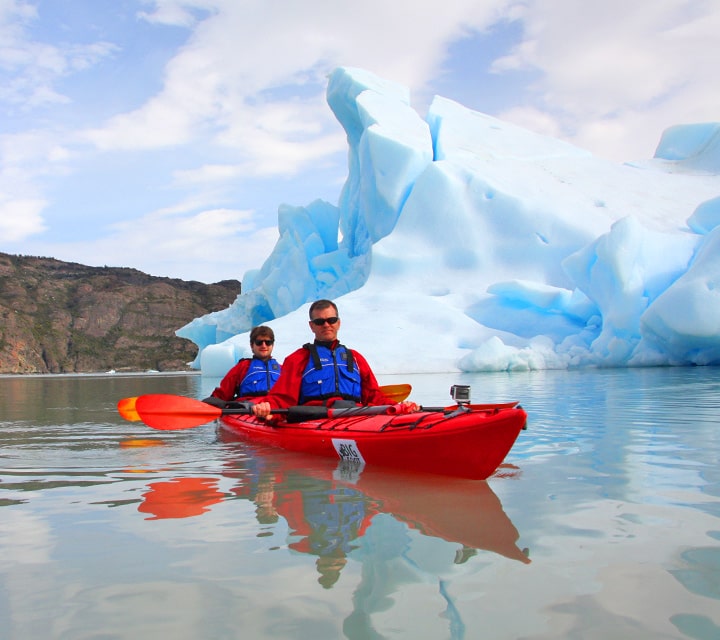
x,y
465,441
453,509
329,506
449,508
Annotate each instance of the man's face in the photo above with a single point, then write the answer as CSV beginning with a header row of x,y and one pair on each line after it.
x,y
325,332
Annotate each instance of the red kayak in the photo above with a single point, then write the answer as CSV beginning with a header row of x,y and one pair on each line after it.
x,y
465,441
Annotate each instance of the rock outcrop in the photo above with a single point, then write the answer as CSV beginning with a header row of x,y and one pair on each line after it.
x,y
62,317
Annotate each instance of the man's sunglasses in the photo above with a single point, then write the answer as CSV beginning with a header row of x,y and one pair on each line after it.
x,y
319,322
267,343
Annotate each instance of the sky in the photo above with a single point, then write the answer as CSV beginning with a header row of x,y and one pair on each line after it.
x,y
163,135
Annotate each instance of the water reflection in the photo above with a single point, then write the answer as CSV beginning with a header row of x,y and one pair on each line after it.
x,y
328,507
186,536
700,574
180,498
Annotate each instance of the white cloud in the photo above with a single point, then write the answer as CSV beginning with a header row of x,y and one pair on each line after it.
x,y
174,12
206,245
615,75
25,160
534,119
612,75
20,218
238,78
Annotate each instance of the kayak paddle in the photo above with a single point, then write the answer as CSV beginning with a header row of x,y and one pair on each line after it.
x,y
126,408
168,412
395,392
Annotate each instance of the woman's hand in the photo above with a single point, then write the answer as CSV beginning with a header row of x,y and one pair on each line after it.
x,y
406,407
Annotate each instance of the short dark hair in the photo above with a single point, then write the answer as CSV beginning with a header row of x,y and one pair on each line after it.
x,y
319,305
262,330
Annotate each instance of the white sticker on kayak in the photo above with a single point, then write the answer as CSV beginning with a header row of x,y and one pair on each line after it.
x,y
348,450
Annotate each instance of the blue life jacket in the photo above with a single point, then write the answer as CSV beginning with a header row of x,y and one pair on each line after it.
x,y
259,379
330,373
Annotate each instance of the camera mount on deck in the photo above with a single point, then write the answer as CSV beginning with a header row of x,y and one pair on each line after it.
x,y
460,393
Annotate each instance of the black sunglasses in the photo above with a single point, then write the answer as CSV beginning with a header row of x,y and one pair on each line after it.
x,y
265,342
319,322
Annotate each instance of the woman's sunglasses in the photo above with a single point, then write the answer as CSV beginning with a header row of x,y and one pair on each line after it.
x,y
319,322
267,343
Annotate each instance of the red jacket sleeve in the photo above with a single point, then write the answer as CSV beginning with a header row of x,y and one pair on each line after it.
x,y
229,384
286,390
371,394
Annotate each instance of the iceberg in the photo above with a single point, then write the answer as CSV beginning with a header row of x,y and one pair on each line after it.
x,y
464,243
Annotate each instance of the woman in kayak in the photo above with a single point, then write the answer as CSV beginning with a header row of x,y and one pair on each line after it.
x,y
324,371
250,377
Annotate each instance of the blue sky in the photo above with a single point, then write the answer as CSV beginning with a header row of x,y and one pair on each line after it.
x,y
163,134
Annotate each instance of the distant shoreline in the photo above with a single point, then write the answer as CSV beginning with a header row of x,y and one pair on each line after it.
x,y
102,374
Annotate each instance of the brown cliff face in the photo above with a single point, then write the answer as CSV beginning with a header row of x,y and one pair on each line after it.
x,y
62,317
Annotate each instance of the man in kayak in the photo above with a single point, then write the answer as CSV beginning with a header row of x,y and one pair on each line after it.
x,y
250,377
324,371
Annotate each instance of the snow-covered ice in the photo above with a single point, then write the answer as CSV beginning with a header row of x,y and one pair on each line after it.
x,y
461,242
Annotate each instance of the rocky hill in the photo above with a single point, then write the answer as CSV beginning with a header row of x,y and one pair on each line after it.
x,y
62,317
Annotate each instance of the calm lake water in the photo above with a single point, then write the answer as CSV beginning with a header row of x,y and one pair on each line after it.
x,y
605,522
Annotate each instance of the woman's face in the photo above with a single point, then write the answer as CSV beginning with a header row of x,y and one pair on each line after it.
x,y
262,347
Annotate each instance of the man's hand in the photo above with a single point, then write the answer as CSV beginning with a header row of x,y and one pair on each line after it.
x,y
406,407
261,409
